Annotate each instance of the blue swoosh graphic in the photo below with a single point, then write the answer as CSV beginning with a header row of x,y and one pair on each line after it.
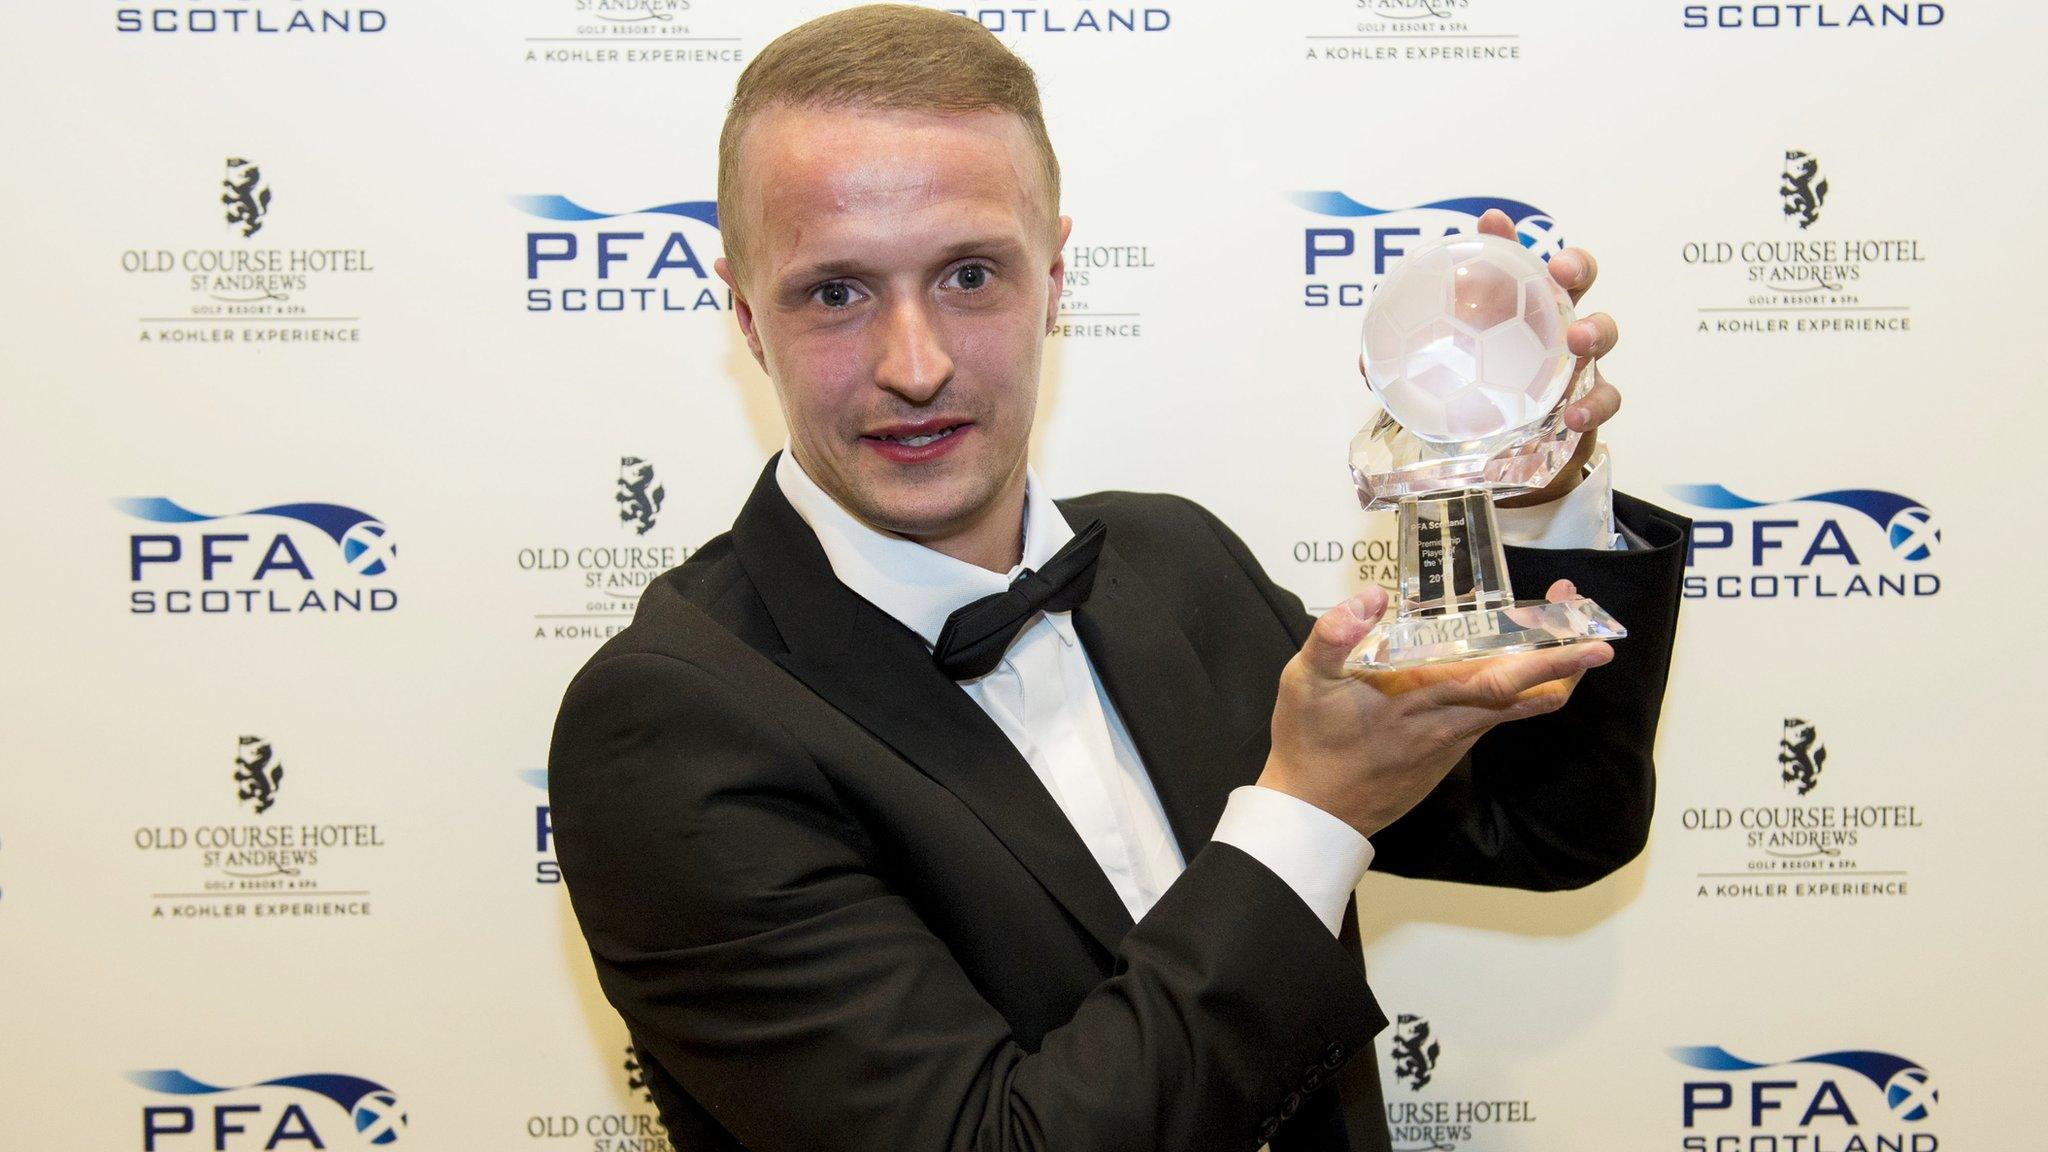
x,y
170,1080
1877,1067
563,208
333,519
538,777
1338,204
1881,507
345,1091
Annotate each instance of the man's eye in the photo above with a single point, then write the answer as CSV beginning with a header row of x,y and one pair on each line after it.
x,y
972,277
837,294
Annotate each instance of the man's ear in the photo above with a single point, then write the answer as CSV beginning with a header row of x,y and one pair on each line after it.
x,y
741,309
1057,278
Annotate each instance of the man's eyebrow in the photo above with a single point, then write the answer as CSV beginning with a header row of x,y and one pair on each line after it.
x,y
993,245
822,270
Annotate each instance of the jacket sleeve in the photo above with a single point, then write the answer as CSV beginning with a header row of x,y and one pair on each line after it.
x,y
742,925
1554,801
1560,801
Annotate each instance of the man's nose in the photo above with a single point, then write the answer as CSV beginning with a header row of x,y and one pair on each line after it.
x,y
913,361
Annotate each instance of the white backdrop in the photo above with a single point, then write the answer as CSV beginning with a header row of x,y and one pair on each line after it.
x,y
1828,399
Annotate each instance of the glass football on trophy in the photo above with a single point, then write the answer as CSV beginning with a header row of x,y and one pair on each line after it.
x,y
1464,346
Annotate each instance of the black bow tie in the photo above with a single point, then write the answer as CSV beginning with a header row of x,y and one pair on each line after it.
x,y
978,633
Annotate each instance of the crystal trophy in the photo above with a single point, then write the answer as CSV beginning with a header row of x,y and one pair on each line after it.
x,y
1464,347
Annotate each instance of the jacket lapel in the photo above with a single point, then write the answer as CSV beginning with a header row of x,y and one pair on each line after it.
x,y
880,674
1164,695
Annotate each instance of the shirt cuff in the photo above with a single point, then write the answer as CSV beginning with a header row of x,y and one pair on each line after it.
x,y
1319,856
1581,518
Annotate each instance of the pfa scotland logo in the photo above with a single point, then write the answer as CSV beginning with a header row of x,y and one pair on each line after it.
x,y
256,776
268,1113
1064,16
1838,1092
264,560
1533,226
639,494
246,195
365,547
269,21
1803,188
1847,543
1801,755
1908,527
1343,261
585,260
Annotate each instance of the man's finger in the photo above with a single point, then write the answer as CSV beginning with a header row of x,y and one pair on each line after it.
x,y
1505,678
1592,336
1575,270
1495,222
1546,697
1596,407
1339,630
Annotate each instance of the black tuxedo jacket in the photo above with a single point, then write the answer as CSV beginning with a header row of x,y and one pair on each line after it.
x,y
838,911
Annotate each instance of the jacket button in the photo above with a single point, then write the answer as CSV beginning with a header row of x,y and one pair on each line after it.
x,y
1268,1129
1313,1080
1289,1104
1333,1056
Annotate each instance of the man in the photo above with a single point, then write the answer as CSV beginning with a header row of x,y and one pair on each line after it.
x,y
863,872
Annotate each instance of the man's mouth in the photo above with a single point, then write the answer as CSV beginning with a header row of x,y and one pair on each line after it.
x,y
916,436
919,443
926,438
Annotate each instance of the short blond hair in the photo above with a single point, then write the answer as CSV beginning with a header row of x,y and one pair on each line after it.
x,y
893,57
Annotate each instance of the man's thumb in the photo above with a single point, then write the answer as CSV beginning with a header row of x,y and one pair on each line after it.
x,y
1340,629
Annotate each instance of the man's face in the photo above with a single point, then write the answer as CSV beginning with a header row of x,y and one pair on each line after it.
x,y
900,273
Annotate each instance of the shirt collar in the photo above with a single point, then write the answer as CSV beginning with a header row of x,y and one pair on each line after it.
x,y
913,583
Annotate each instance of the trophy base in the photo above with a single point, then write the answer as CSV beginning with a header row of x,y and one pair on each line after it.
x,y
1525,625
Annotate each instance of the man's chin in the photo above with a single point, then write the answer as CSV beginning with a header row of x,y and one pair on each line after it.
x,y
930,501
927,507
922,515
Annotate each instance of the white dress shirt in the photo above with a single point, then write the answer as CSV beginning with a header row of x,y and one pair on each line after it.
x,y
1047,698
1581,518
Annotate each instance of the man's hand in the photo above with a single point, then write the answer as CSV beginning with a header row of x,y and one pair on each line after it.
x,y
1368,746
1589,338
